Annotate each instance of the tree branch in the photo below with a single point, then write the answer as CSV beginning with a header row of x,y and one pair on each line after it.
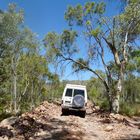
x,y
111,33
86,67
114,51
124,47
102,55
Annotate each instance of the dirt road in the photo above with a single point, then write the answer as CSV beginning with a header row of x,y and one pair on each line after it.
x,y
46,123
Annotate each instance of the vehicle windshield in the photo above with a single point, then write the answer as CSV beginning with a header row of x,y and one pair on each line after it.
x,y
79,92
68,92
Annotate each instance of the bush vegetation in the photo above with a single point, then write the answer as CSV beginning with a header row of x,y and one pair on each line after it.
x,y
25,77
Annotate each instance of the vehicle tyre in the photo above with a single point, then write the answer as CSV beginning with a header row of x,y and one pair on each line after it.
x,y
83,114
64,111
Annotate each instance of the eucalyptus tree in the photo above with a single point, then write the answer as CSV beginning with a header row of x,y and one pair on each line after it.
x,y
10,21
104,36
33,74
15,41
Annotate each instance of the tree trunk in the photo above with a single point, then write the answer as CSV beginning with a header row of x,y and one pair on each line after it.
x,y
32,96
15,93
12,100
116,96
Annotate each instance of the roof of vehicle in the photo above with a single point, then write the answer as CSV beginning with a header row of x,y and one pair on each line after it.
x,y
75,86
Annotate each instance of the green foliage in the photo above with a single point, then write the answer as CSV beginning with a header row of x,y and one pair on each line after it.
x,y
56,45
67,40
77,15
114,35
129,101
135,60
100,8
74,13
130,109
96,93
52,43
4,116
95,89
95,32
78,67
51,39
129,20
20,56
88,23
21,65
104,104
68,37
54,91
89,8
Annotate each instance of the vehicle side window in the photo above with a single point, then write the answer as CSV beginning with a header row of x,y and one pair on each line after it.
x,y
68,92
79,92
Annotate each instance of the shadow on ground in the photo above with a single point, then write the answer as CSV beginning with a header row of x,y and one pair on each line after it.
x,y
4,131
48,129
130,137
74,113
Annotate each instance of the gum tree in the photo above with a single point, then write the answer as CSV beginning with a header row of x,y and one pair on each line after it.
x,y
103,36
15,41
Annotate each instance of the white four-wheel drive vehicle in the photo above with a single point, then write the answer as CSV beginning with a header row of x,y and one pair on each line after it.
x,y
74,98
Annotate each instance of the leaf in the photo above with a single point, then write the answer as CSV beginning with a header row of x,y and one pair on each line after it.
x,y
95,32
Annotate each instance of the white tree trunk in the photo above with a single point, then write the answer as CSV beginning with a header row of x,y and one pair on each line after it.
x,y
15,92
32,96
116,97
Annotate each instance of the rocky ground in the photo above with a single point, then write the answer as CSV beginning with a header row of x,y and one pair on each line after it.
x,y
46,123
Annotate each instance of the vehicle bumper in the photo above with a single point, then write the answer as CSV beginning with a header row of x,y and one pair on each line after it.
x,y
73,108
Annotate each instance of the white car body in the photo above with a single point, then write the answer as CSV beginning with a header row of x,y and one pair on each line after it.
x,y
69,93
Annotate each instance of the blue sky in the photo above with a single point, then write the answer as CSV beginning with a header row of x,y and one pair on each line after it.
x,y
43,16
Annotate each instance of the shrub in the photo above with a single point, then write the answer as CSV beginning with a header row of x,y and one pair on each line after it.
x,y
130,109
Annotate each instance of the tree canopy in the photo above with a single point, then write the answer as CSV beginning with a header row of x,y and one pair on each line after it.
x,y
115,35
